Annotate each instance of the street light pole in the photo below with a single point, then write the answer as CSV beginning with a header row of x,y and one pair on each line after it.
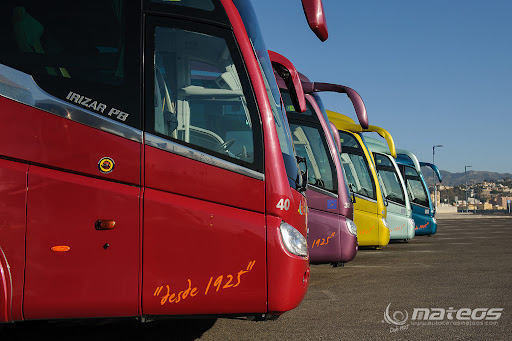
x,y
434,175
466,182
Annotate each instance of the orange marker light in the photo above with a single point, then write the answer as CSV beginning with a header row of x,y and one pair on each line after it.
x,y
61,248
104,224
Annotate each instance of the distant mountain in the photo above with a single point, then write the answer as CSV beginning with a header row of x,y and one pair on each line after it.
x,y
453,179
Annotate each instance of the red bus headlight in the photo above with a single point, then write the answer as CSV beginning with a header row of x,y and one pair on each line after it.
x,y
293,240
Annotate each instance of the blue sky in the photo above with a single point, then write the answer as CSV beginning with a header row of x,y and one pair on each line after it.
x,y
430,72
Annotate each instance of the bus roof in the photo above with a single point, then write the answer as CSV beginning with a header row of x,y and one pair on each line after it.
x,y
408,158
379,146
344,122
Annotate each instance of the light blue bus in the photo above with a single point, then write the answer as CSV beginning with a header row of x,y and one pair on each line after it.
x,y
401,224
423,211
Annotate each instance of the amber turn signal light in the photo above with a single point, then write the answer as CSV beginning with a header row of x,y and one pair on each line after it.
x,y
60,248
104,224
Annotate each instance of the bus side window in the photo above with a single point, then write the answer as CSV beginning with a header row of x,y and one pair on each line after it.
x,y
90,59
166,120
199,98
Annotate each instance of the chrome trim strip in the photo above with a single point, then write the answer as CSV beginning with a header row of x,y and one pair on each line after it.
x,y
322,191
21,87
178,149
365,198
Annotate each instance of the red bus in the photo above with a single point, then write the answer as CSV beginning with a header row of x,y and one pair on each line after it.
x,y
146,164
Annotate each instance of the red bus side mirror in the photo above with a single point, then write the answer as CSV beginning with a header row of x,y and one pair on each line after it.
x,y
315,15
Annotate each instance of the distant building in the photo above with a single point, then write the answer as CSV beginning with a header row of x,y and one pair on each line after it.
x,y
500,201
473,201
485,206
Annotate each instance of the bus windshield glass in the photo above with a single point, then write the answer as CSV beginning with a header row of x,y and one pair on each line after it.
x,y
389,179
321,105
356,167
309,142
417,193
283,131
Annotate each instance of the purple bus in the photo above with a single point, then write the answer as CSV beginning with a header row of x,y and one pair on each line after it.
x,y
332,236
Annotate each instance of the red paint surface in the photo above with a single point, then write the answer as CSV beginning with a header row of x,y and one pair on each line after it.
x,y
88,280
36,136
191,239
177,174
200,222
315,14
285,290
13,191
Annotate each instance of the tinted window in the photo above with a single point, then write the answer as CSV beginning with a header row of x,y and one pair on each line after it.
x,y
281,122
348,141
415,188
409,171
206,11
198,97
86,53
382,161
417,192
206,5
356,166
391,186
358,174
309,142
290,108
388,177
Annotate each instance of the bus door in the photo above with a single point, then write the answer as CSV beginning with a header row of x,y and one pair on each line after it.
x,y
425,223
361,182
393,187
423,212
399,219
70,110
204,237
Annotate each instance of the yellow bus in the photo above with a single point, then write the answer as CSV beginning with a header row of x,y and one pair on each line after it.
x,y
369,204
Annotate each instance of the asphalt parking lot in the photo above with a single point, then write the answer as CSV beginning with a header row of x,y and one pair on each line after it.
x,y
462,276
467,264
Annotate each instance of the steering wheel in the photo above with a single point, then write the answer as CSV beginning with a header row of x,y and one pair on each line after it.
x,y
243,155
223,148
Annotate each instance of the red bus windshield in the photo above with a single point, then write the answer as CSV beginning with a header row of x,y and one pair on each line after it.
x,y
283,130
